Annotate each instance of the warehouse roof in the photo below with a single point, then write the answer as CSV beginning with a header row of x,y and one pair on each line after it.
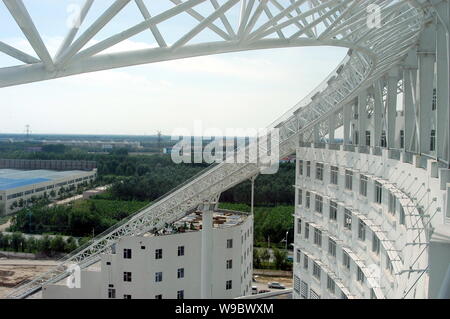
x,y
12,178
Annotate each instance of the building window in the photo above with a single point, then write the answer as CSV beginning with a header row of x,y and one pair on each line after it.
x,y
359,275
363,185
347,219
319,171
433,140
383,139
375,244
346,260
127,276
316,270
127,253
126,296
317,237
389,265
308,199
300,197
229,285
392,204
333,210
300,167
158,297
306,230
180,294
158,276
180,250
331,286
367,138
361,230
298,255
180,273
158,254
331,247
334,173
304,290
112,293
348,179
305,261
299,226
229,263
402,138
402,215
308,168
319,204
378,193
229,243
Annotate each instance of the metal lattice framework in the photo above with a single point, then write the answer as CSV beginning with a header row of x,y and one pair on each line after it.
x,y
262,24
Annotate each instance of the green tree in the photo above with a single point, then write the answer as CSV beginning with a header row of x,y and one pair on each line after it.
x,y
280,258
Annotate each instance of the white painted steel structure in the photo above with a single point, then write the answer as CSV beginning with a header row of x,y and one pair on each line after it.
x,y
399,57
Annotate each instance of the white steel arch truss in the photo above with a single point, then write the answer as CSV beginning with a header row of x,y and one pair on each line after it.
x,y
373,51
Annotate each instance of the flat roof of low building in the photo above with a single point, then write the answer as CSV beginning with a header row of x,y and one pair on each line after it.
x,y
222,218
13,178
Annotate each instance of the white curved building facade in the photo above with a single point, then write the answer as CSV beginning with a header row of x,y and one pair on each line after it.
x,y
369,226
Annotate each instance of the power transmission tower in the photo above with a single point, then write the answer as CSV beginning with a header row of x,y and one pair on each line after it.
x,y
159,142
27,131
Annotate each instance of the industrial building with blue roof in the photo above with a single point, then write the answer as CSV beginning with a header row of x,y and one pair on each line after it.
x,y
25,184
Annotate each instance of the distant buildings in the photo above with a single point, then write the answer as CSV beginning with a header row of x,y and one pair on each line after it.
x,y
169,264
20,187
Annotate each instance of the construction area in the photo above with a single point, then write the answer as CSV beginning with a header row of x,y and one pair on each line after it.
x,y
16,271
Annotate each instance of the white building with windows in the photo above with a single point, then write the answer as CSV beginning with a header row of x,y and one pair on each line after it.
x,y
369,223
168,265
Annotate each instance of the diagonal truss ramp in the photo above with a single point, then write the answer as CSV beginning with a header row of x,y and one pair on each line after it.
x,y
237,25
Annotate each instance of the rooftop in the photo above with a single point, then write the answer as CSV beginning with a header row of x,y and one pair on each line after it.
x,y
13,178
193,222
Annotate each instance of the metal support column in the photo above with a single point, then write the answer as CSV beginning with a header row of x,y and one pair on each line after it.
x,y
424,91
391,107
331,127
347,110
362,117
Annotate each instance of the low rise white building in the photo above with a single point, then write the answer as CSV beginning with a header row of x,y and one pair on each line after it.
x,y
168,264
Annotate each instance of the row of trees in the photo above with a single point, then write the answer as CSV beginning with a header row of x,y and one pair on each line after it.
x,y
270,223
149,177
49,246
80,218
262,259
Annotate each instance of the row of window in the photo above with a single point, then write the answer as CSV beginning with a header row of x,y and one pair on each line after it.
x,y
333,206
317,238
127,252
112,294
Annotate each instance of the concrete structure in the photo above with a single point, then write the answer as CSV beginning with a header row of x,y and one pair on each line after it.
x,y
18,187
398,60
168,264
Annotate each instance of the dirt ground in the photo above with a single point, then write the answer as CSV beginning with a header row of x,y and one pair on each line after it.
x,y
15,271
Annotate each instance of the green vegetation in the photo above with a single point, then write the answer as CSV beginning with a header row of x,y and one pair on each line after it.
x,y
262,260
49,246
270,223
80,218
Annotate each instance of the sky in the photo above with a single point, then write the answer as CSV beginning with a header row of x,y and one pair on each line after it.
x,y
233,90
